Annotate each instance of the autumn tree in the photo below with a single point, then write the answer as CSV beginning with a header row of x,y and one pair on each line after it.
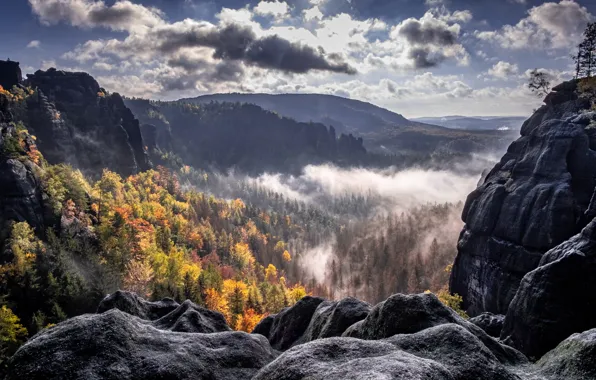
x,y
12,334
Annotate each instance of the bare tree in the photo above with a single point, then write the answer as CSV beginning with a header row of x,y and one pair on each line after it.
x,y
539,83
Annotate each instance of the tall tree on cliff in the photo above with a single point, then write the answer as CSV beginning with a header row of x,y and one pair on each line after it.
x,y
585,60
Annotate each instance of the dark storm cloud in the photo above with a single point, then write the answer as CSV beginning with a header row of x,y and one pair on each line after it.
x,y
427,33
111,15
423,58
239,43
226,71
274,52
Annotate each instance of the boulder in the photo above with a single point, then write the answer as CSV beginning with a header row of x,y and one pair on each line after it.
x,y
572,359
287,327
117,345
491,324
447,351
332,318
534,199
555,300
456,348
351,359
409,314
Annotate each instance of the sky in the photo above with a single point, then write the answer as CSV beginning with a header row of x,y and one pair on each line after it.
x,y
415,57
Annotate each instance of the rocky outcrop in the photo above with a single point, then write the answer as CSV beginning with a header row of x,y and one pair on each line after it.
x,y
78,123
403,338
10,74
21,193
491,324
116,345
535,198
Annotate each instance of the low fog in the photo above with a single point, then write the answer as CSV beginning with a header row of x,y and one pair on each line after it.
x,y
398,226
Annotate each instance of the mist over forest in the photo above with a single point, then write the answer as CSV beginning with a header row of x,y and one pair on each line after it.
x,y
368,232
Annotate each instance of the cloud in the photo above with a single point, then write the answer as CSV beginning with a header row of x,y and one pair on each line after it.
x,y
427,31
550,25
503,70
313,13
278,10
123,15
34,44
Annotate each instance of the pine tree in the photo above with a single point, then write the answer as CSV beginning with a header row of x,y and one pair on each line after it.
x,y
586,56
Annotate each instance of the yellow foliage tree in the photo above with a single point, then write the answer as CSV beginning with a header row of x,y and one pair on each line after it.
x,y
271,274
242,256
12,333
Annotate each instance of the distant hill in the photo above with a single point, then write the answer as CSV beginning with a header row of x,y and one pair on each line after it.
x,y
346,115
476,123
382,131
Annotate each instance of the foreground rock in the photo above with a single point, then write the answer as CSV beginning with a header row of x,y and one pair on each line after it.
x,y
535,198
444,352
332,318
573,359
557,299
409,314
116,345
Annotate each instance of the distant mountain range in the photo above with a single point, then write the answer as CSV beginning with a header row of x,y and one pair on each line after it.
x,y
475,123
383,131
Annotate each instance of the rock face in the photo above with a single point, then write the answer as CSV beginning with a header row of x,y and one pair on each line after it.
x,y
10,74
21,193
78,123
491,324
116,345
555,300
132,304
538,196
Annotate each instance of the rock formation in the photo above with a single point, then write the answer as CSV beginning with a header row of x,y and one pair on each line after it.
x,y
78,123
535,198
528,247
21,193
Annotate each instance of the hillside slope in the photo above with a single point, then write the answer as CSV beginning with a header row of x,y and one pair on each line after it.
x,y
383,131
